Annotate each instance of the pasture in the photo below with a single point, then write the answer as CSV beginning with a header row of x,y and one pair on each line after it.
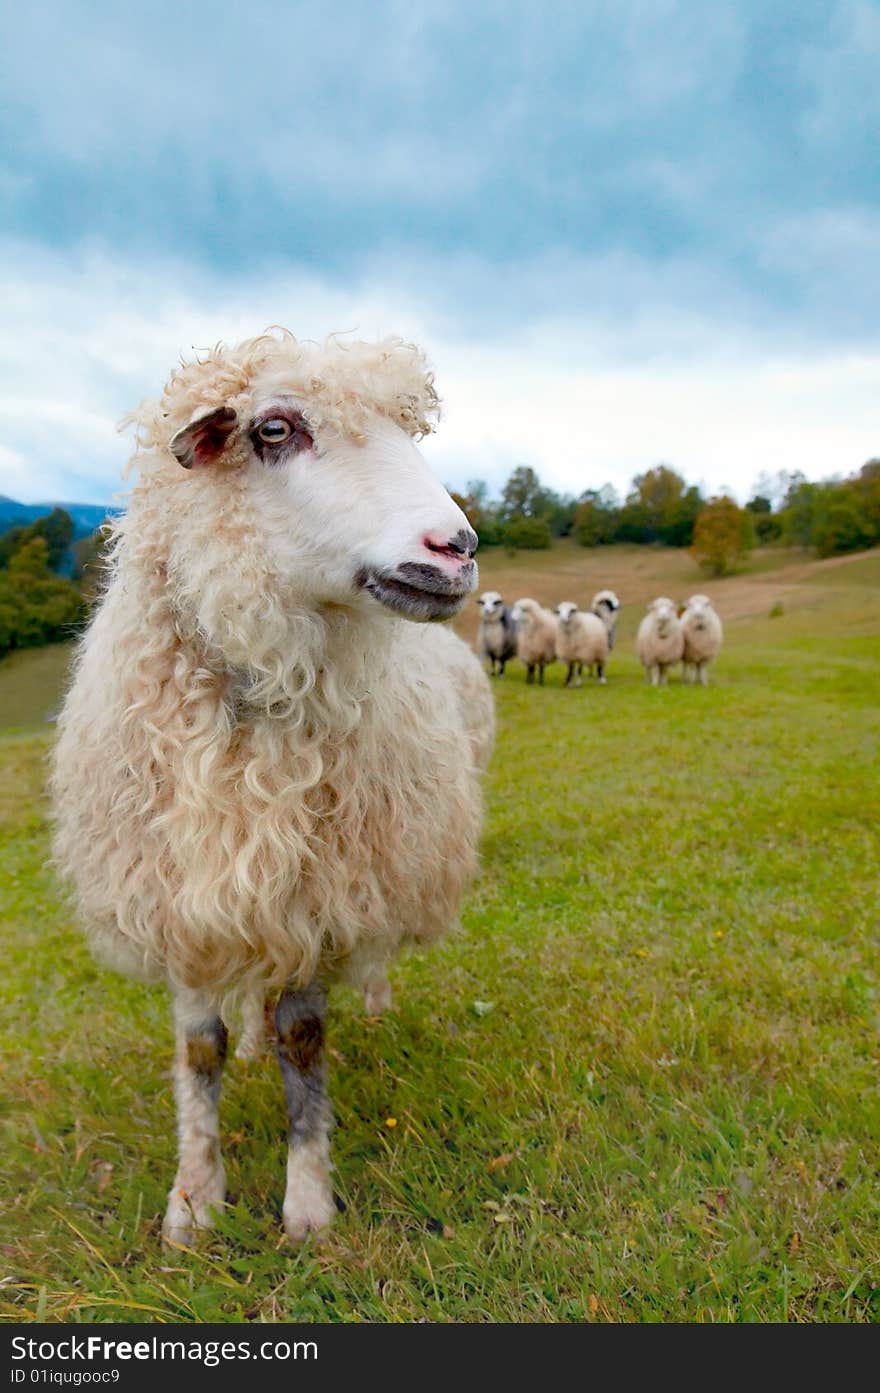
x,y
641,1085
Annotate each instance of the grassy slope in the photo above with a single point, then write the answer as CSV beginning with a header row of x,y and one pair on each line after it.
x,y
670,1109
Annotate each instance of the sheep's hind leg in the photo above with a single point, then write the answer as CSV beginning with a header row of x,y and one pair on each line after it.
x,y
377,994
200,1183
252,1041
299,1046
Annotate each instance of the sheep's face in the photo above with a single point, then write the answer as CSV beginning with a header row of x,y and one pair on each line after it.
x,y
698,609
566,611
490,606
664,613
524,613
357,523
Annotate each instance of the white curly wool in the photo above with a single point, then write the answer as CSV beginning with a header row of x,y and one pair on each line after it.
x,y
258,771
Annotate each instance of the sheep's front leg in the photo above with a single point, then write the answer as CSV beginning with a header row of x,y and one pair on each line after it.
x,y
299,1026
200,1183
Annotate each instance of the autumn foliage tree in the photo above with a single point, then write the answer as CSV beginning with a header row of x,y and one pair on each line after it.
x,y
723,533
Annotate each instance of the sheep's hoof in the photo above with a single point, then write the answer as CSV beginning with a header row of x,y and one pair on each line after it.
x,y
187,1213
310,1211
308,1198
377,997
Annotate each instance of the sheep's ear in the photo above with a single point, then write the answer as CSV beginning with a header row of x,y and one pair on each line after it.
x,y
203,439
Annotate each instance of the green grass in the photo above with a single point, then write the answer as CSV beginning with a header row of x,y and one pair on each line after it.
x,y
31,684
669,1110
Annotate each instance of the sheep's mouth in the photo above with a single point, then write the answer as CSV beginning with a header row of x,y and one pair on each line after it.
x,y
419,592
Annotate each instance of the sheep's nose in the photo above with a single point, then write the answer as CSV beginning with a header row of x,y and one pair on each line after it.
x,y
463,544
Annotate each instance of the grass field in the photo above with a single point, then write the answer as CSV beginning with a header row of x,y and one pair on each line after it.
x,y
640,1086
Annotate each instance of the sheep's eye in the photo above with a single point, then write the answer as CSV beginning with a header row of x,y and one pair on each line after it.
x,y
275,432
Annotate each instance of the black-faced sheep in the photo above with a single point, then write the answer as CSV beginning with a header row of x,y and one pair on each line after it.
x,y
497,637
606,606
581,639
535,637
659,642
266,778
703,634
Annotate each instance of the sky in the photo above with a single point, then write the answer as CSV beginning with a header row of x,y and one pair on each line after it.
x,y
624,231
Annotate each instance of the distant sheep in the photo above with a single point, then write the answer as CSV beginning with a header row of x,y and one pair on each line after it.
x,y
581,639
266,777
536,631
703,635
497,638
660,641
606,605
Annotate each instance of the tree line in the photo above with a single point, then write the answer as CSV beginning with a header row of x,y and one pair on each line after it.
x,y
836,515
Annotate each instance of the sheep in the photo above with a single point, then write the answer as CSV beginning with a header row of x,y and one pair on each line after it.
x,y
535,637
267,778
581,638
703,634
606,605
497,638
659,642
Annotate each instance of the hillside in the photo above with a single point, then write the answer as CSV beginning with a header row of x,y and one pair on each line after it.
x,y
86,516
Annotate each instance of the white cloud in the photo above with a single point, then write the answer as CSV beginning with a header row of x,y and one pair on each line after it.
x,y
586,399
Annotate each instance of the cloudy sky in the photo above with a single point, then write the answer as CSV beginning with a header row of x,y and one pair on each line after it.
x,y
625,232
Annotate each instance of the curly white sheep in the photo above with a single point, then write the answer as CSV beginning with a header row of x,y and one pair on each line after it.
x,y
703,635
535,637
659,642
581,639
497,636
606,606
266,779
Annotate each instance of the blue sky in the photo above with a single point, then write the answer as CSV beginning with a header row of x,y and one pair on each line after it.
x,y
624,232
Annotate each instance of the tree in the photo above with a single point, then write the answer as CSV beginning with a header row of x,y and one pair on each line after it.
x,y
526,533
840,522
722,535
523,495
799,512
660,508
767,524
596,517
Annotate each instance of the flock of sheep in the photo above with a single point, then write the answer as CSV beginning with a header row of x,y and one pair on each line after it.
x,y
583,638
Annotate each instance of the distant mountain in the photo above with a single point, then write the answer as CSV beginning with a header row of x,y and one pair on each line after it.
x,y
86,516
